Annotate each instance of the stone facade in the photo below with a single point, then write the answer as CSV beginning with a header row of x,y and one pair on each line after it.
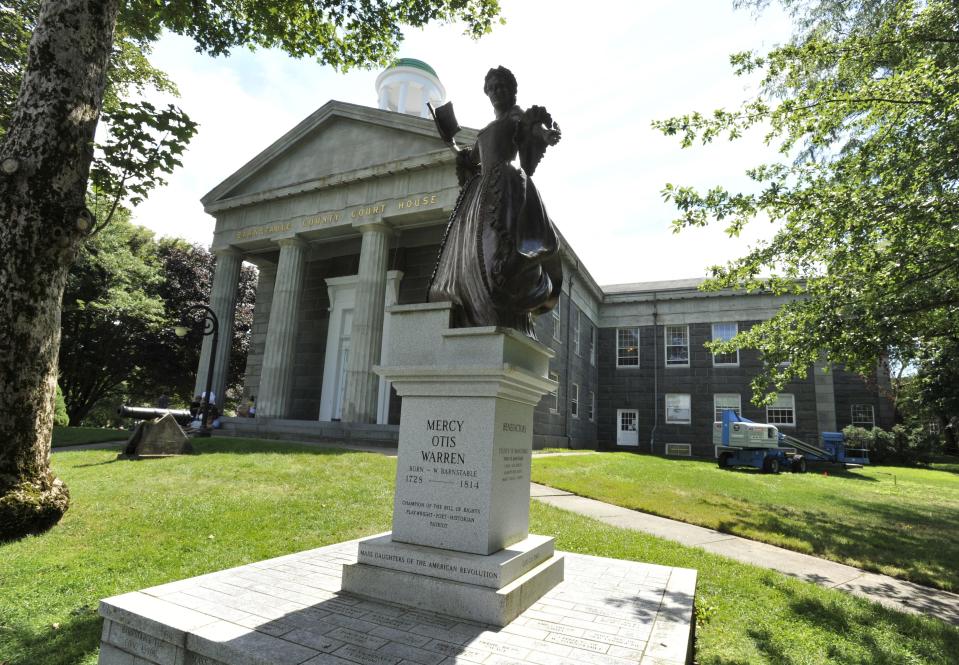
x,y
344,216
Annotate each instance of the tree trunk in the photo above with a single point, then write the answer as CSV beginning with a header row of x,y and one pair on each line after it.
x,y
45,158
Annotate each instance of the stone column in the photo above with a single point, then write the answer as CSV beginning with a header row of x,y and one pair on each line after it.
x,y
825,395
276,377
223,302
401,101
366,337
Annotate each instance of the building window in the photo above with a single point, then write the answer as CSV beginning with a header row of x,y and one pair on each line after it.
x,y
677,409
677,346
592,345
591,406
863,416
574,400
557,318
627,347
723,332
576,329
782,411
723,401
554,395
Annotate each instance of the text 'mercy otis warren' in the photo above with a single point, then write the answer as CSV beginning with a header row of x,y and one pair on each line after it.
x,y
444,437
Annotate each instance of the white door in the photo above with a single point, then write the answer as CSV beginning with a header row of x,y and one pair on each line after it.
x,y
627,421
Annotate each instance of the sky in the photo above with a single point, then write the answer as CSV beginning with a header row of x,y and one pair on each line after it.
x,y
603,75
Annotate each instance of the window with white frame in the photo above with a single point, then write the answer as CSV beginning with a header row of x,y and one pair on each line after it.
x,y
557,318
863,415
576,331
782,411
677,409
554,395
591,406
723,401
627,347
592,345
723,332
677,346
574,400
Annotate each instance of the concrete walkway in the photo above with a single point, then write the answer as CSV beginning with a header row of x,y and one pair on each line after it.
x,y
889,591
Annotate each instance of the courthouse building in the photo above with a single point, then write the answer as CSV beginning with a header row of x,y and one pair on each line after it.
x,y
344,215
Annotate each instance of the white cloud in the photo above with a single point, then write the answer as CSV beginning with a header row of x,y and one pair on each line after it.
x,y
604,73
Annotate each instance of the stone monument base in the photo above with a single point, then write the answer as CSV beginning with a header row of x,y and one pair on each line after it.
x,y
494,588
291,610
162,437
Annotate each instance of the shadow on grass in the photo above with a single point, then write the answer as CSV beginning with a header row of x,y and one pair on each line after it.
x,y
814,468
849,633
68,644
219,446
112,460
910,543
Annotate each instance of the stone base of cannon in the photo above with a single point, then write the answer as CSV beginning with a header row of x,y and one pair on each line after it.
x,y
162,437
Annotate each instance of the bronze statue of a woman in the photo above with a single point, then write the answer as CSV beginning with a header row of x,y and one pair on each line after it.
x,y
499,263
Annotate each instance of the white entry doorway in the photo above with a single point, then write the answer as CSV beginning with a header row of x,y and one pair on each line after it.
x,y
342,293
627,427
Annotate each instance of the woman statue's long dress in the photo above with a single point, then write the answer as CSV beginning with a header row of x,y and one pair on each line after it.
x,y
499,263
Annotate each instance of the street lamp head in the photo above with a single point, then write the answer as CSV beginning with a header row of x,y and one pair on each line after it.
x,y
180,331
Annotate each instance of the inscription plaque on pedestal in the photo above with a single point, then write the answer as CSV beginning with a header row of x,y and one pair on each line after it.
x,y
462,479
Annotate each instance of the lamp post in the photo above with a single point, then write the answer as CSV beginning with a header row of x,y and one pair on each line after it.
x,y
211,326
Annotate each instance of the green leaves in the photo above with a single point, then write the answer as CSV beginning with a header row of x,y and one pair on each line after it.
x,y
863,103
143,143
341,33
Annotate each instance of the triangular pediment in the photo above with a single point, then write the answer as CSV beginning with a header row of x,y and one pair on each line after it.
x,y
338,138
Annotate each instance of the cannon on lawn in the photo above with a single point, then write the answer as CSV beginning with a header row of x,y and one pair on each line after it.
x,y
159,433
182,416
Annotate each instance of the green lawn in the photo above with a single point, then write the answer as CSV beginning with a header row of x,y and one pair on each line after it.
x,y
137,524
76,436
894,520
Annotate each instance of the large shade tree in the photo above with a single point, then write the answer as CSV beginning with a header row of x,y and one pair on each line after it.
x,y
125,294
45,159
863,103
169,363
110,312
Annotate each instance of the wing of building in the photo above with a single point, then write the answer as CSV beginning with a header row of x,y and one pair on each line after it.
x,y
344,215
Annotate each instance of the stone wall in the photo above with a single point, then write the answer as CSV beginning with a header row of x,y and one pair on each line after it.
x,y
261,319
853,389
311,337
554,425
645,387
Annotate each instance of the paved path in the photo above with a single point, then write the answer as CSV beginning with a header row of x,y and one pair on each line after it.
x,y
889,591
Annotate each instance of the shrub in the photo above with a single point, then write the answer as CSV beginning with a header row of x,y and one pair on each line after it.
x,y
902,444
60,417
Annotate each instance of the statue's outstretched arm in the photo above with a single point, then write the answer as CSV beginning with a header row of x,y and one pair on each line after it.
x,y
536,132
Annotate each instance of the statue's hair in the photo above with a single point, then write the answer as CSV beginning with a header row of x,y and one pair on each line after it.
x,y
505,74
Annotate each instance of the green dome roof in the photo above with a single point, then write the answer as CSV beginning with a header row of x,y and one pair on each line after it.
x,y
413,62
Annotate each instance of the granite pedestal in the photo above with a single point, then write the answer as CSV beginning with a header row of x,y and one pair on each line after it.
x,y
460,542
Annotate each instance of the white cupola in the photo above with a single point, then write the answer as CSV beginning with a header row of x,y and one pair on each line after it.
x,y
406,86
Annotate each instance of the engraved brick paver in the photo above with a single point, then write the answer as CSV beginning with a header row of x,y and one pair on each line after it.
x,y
288,611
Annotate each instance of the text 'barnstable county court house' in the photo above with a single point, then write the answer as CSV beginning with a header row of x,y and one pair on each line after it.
x,y
344,216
